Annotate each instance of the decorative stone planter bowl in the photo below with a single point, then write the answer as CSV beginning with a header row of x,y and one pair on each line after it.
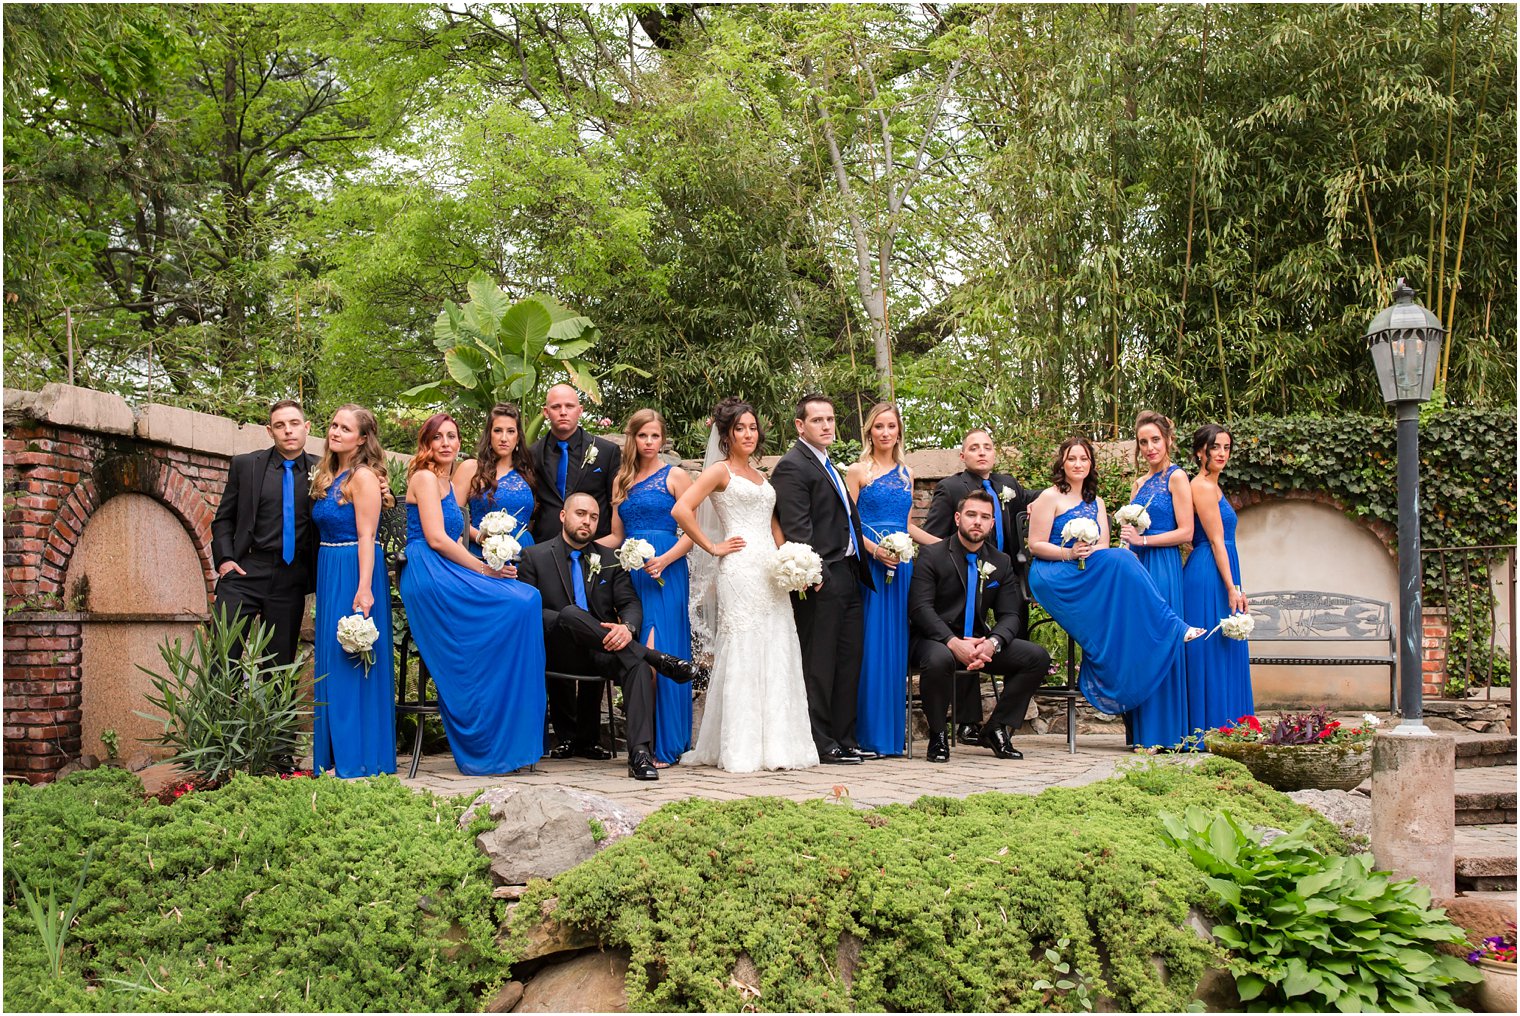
x,y
1299,766
1497,992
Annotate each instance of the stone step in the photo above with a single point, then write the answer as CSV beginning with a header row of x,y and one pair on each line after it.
x,y
1485,857
1485,796
1476,751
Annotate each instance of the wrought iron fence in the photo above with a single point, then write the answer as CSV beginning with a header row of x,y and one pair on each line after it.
x,y
1476,586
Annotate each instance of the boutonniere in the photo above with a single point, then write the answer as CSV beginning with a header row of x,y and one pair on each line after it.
x,y
593,566
590,455
1005,494
984,571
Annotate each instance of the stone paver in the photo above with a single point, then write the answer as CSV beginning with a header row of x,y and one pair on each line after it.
x,y
1046,763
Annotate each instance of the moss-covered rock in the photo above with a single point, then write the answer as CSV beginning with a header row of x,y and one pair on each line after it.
x,y
952,903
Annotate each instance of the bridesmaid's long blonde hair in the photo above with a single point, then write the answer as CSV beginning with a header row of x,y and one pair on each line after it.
x,y
367,455
630,465
868,449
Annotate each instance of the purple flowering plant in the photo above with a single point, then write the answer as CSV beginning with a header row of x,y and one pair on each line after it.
x,y
1498,948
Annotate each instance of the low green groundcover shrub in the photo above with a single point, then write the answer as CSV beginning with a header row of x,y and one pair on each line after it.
x,y
955,902
266,895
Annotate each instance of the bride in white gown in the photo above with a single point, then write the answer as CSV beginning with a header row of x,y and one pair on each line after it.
x,y
756,716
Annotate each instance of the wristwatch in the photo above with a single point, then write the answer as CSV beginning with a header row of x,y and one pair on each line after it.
x,y
997,643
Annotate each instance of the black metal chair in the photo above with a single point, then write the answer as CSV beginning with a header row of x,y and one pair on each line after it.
x,y
608,697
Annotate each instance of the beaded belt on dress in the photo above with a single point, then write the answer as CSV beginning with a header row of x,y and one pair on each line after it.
x,y
344,543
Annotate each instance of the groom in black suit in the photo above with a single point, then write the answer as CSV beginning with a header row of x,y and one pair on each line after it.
x,y
566,460
591,624
263,542
955,582
813,506
979,456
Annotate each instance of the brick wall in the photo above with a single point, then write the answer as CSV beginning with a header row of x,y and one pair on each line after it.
x,y
1433,651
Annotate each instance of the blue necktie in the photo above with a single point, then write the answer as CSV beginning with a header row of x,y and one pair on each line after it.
x,y
288,511
997,513
564,466
970,595
577,580
844,497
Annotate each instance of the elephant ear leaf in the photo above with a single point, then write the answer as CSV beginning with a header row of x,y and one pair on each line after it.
x,y
525,329
582,378
423,394
448,328
464,365
489,302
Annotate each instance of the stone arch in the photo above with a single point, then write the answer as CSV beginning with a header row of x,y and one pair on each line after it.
x,y
1387,533
136,473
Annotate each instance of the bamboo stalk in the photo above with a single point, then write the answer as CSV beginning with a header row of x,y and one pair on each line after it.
x,y
1451,109
1472,167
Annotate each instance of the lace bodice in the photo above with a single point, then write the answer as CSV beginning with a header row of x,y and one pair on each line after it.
x,y
884,504
511,494
647,507
1080,510
453,519
746,596
745,509
335,522
1156,494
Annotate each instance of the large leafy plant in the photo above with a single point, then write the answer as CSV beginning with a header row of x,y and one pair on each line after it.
x,y
226,706
495,350
1309,932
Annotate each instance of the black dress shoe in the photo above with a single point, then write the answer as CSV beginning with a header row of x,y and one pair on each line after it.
x,y
996,739
866,753
939,747
968,733
563,750
641,766
678,670
837,756
595,752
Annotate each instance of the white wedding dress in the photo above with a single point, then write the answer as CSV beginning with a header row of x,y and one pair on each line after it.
x,y
756,716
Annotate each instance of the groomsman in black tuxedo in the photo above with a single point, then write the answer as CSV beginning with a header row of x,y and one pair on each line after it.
x,y
979,455
955,582
567,460
591,625
813,506
263,542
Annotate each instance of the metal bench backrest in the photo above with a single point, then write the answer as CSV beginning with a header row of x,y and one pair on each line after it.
x,y
1309,615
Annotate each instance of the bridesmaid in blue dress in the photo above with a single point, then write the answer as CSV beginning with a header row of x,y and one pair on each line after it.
x,y
1102,596
480,634
642,495
1161,721
882,485
354,719
499,477
1218,668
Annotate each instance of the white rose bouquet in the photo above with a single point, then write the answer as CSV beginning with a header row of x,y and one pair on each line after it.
x,y
1133,515
902,546
500,550
795,567
1236,626
357,635
1081,531
634,554
499,523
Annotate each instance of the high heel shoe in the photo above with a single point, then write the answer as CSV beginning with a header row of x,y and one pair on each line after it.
x,y
1193,633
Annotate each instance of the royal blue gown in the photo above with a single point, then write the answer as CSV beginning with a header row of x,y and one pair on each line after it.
x,y
1218,668
881,717
1130,638
483,642
646,516
513,495
354,719
1162,719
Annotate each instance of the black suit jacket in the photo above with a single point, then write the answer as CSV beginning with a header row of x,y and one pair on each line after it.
x,y
948,493
232,526
594,478
610,595
937,594
810,511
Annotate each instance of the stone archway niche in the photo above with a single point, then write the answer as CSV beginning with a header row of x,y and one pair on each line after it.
x,y
1307,545
145,585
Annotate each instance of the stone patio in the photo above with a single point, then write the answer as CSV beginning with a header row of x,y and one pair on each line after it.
x,y
1046,763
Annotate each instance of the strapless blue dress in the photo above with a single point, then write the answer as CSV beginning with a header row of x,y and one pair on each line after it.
x,y
354,718
1162,720
1130,638
512,495
483,642
881,717
646,516
1218,668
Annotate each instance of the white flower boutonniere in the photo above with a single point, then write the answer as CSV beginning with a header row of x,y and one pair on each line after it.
x,y
593,566
984,572
1005,494
590,455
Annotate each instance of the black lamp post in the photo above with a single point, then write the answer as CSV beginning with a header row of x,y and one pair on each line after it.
x,y
1405,342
